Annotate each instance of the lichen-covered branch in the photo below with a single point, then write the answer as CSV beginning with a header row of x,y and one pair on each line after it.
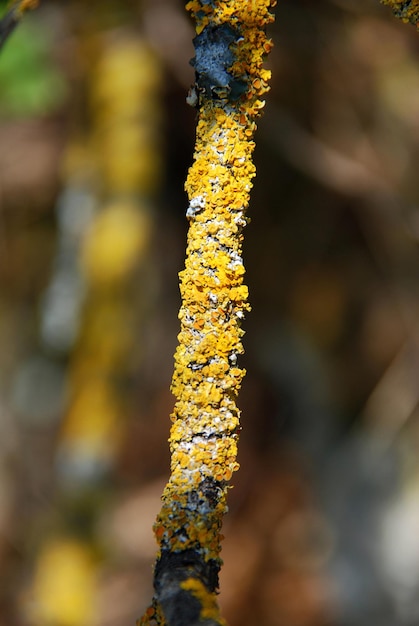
x,y
407,10
230,81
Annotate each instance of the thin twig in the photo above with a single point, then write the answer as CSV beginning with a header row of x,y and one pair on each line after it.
x,y
12,18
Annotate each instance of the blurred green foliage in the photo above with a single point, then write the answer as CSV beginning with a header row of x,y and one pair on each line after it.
x,y
30,83
4,5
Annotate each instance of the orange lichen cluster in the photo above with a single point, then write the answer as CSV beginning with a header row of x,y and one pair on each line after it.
x,y
25,5
154,613
206,376
407,10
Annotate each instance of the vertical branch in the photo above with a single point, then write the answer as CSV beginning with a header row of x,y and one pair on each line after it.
x,y
407,10
113,253
230,45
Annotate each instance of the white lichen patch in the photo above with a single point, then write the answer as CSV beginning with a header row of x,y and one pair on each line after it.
x,y
196,205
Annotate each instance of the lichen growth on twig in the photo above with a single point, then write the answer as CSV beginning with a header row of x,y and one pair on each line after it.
x,y
407,10
230,81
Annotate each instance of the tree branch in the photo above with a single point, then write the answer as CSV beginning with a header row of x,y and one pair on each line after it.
x,y
230,45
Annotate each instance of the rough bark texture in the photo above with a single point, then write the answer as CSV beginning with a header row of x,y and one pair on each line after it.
x,y
230,45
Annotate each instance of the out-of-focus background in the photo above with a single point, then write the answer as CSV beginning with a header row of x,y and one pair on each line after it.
x,y
95,142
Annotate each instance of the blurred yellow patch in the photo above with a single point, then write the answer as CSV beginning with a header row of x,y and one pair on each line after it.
x,y
93,420
117,240
64,585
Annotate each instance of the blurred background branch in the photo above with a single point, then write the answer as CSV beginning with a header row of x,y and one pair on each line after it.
x,y
12,17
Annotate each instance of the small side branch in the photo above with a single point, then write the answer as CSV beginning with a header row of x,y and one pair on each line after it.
x,y
12,18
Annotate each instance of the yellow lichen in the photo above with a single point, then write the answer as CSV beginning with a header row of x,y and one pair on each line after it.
x,y
209,608
407,10
26,5
207,378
